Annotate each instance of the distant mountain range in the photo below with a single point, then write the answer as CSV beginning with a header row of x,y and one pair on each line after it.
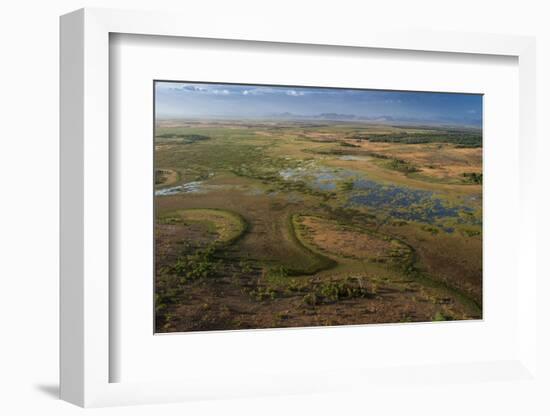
x,y
472,122
328,116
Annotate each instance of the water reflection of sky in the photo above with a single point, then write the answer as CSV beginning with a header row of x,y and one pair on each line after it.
x,y
319,178
186,188
405,203
398,201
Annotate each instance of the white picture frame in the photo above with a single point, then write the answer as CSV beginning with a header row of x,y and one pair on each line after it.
x,y
85,212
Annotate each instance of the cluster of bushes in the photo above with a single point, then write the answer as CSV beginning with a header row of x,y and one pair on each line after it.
x,y
346,144
347,185
314,293
432,230
473,177
402,166
439,316
171,280
330,292
199,265
263,293
166,292
470,233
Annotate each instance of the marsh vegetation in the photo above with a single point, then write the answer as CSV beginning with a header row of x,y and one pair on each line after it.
x,y
285,224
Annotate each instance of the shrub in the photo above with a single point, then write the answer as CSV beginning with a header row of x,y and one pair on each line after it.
x,y
199,265
402,166
473,177
265,293
334,291
441,317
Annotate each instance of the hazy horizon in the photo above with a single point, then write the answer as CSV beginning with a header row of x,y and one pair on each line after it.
x,y
216,100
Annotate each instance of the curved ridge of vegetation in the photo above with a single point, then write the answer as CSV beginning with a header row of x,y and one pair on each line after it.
x,y
238,218
321,262
202,215
412,270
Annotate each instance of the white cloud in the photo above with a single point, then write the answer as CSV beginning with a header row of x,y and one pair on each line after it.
x,y
295,93
259,91
194,88
272,90
185,88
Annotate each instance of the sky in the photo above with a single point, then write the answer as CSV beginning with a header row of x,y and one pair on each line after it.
x,y
209,100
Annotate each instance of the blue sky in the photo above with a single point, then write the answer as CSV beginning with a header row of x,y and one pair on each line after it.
x,y
187,100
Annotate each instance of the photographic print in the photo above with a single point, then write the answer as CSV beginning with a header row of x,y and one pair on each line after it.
x,y
289,206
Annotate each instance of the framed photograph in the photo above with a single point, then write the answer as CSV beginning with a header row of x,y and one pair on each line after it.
x,y
289,206
262,212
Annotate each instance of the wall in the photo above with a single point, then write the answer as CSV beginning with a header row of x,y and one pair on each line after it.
x,y
29,208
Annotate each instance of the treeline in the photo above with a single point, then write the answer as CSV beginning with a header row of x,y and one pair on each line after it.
x,y
458,138
186,138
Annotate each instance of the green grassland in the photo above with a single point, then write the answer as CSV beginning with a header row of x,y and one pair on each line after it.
x,y
285,224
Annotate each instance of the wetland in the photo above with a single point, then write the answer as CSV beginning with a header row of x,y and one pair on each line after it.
x,y
274,222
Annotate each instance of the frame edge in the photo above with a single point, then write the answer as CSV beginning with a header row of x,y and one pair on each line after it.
x,y
71,201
